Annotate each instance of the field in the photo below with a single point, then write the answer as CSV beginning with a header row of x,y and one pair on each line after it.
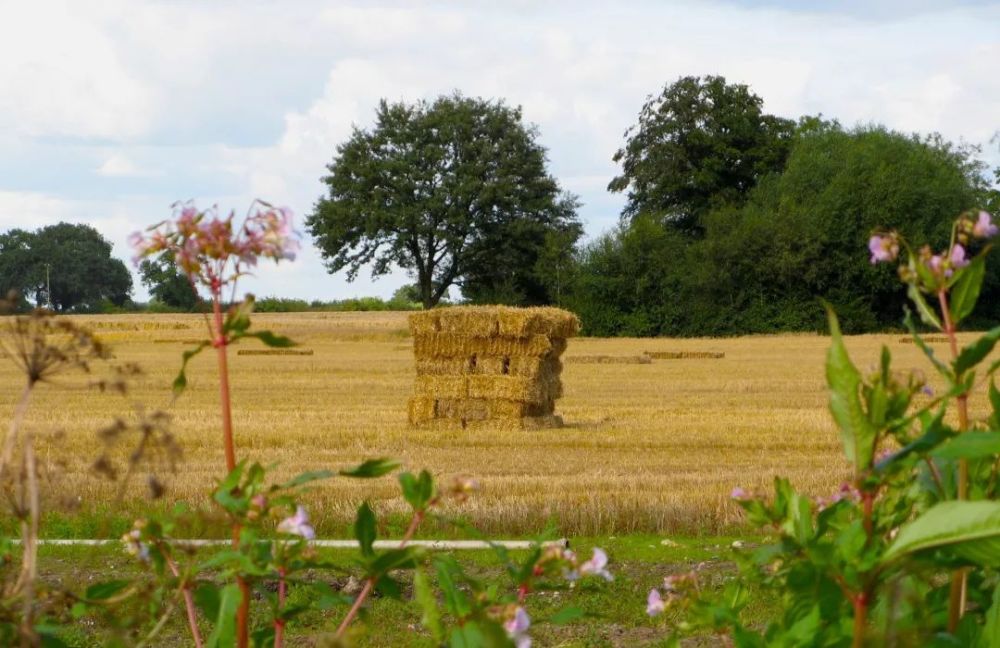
x,y
652,448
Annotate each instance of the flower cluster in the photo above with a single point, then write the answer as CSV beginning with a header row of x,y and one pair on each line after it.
x,y
133,541
202,244
884,247
673,588
516,624
566,562
298,524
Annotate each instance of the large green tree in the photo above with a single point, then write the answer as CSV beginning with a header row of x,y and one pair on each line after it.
x,y
454,191
167,284
701,143
81,271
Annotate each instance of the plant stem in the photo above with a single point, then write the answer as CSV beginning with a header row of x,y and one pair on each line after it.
x,y
15,425
418,517
860,619
29,539
188,603
956,600
220,343
279,623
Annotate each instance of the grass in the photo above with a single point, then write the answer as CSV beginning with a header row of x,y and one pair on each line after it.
x,y
647,448
615,612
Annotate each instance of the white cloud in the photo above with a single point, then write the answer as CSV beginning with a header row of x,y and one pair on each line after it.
x,y
183,87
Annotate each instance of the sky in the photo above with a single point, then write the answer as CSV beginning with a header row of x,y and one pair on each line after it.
x,y
112,111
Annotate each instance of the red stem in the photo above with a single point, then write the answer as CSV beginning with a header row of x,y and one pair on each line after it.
x,y
220,343
860,619
956,599
418,517
188,604
279,622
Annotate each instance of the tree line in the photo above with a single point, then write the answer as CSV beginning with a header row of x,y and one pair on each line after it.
x,y
735,220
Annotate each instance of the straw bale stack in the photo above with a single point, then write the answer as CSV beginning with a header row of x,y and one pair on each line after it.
x,y
488,366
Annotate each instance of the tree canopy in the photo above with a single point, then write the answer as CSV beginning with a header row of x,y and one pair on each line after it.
x,y
456,192
82,272
167,284
763,261
700,144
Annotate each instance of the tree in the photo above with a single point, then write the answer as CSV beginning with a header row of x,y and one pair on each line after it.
x,y
167,284
455,192
82,272
698,145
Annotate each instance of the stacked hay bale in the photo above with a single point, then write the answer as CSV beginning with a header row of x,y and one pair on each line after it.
x,y
494,365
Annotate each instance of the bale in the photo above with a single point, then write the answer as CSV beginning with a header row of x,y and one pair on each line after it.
x,y
270,352
685,355
514,388
607,359
442,386
421,409
452,345
490,321
930,339
523,423
442,367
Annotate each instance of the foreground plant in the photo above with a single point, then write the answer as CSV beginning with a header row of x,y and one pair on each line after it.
x,y
870,564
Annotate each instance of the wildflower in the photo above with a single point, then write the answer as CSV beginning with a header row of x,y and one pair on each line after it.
x,y
957,256
517,628
298,524
461,486
984,227
883,248
927,390
597,565
739,494
133,544
655,603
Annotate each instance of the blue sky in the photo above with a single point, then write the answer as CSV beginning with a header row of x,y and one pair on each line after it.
x,y
111,111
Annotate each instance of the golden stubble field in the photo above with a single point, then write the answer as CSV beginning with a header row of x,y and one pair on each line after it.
x,y
654,447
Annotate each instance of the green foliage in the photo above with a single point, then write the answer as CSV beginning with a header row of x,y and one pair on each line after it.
x,y
82,273
796,235
451,191
871,564
700,144
167,284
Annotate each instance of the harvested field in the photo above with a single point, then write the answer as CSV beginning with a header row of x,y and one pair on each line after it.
x,y
652,448
928,339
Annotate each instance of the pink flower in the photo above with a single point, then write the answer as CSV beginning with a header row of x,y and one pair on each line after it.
x,y
957,256
984,227
517,628
298,524
655,603
597,565
883,248
739,494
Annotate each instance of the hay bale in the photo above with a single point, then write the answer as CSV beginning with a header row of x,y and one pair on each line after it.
x,y
929,339
442,386
514,388
608,359
685,355
274,352
491,321
453,345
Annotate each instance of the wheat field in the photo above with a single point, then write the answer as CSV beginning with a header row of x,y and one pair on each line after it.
x,y
646,447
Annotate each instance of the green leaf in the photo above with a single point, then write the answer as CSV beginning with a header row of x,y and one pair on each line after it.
x,y
455,600
973,354
224,633
423,594
271,339
208,599
371,468
970,445
567,615
180,382
307,477
991,630
966,530
927,314
364,529
994,395
104,591
965,291
935,432
395,559
262,637
417,491
856,432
